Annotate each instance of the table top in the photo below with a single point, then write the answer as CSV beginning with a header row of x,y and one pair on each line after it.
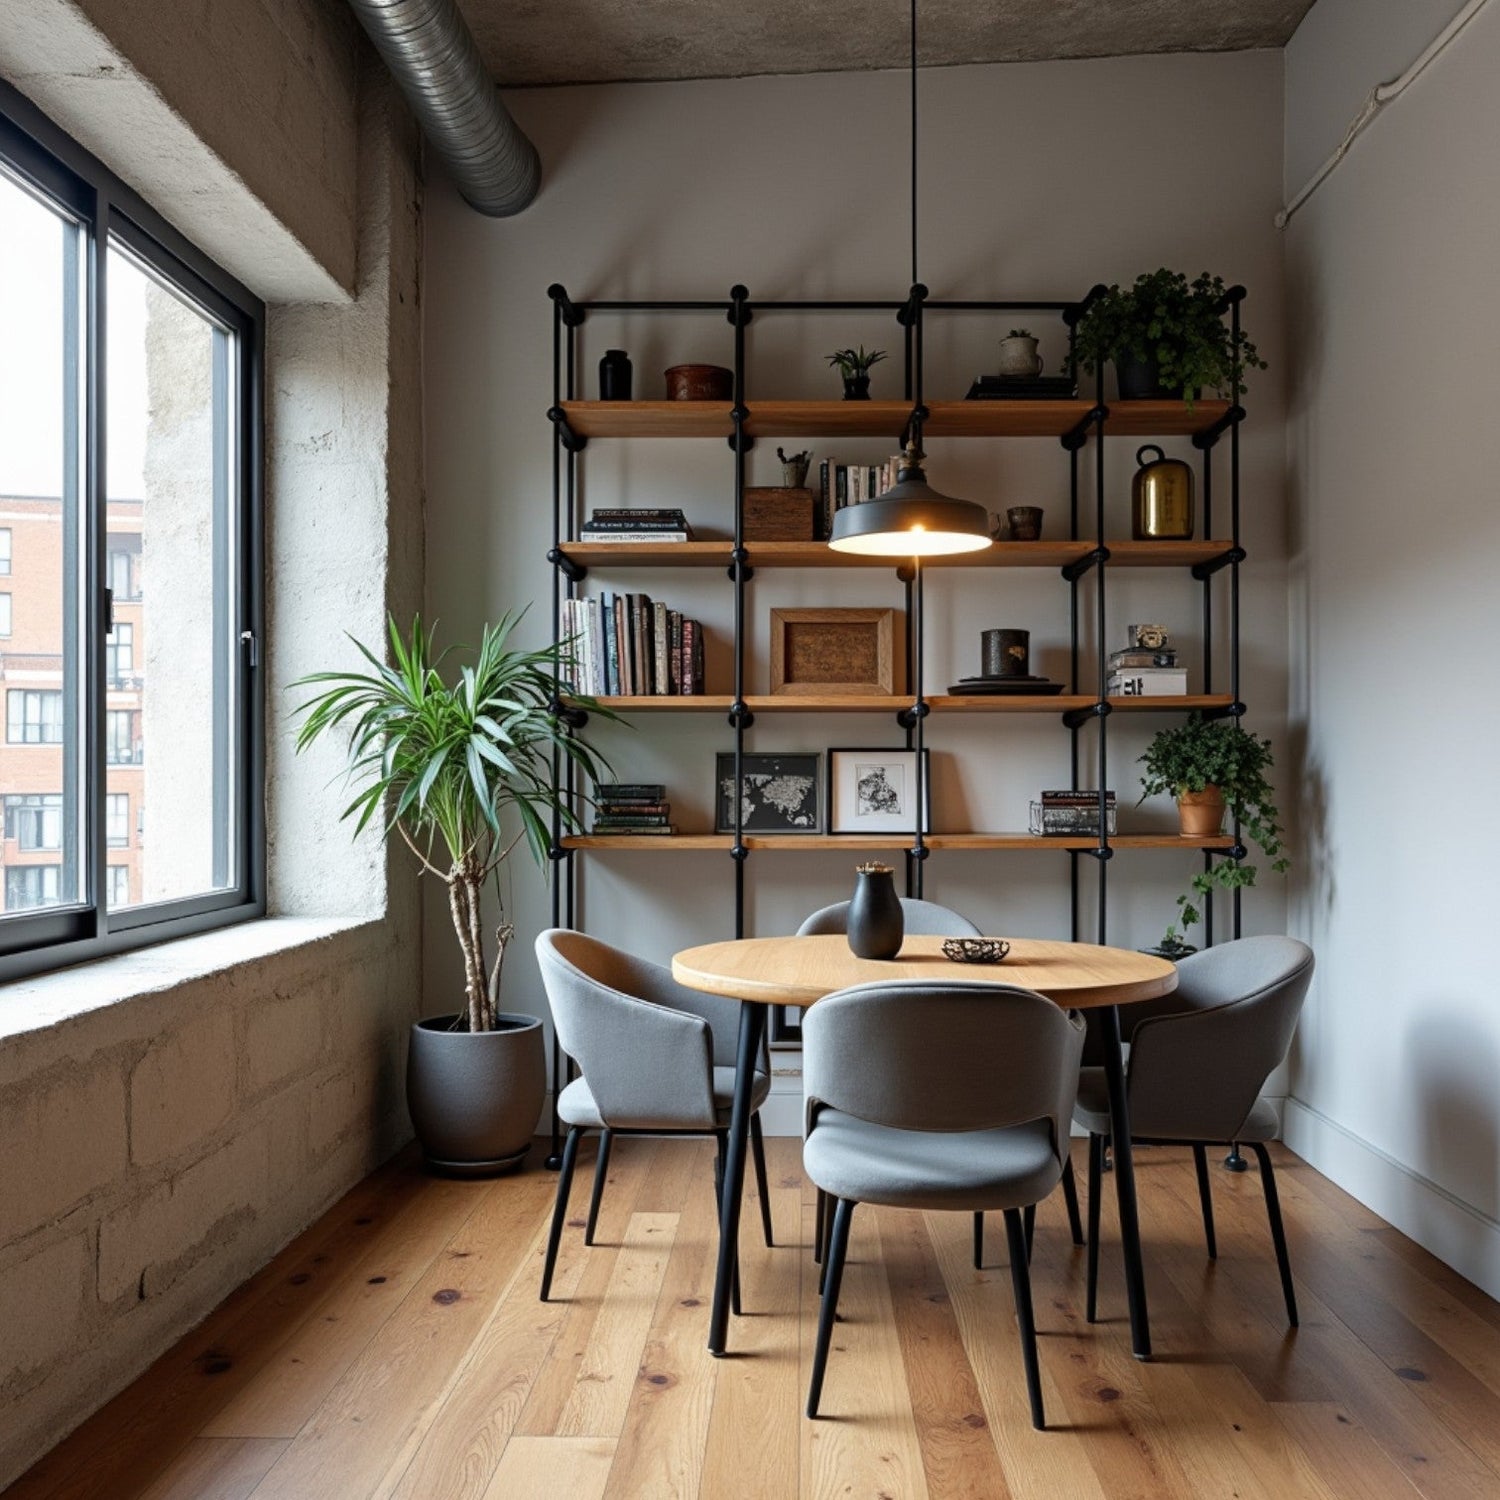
x,y
798,971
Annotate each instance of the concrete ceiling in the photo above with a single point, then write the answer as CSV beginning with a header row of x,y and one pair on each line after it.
x,y
595,41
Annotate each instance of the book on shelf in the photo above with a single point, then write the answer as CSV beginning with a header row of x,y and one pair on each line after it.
x,y
636,534
632,820
629,645
625,524
617,808
637,513
849,484
1075,797
1148,682
668,829
1070,821
1121,660
612,791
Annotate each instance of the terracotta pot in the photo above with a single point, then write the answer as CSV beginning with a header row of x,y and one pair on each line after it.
x,y
699,383
1201,814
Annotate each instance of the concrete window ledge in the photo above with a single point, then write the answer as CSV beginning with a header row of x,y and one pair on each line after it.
x,y
48,1000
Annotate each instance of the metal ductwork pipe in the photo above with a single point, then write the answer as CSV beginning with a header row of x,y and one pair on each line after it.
x,y
435,60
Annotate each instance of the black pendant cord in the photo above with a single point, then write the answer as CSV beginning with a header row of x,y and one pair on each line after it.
x,y
913,142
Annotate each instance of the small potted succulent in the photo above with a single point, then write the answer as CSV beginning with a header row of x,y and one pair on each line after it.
x,y
1212,766
854,365
1167,337
458,762
1018,356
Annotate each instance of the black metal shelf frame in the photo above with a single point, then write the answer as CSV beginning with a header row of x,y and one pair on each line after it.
x,y
738,310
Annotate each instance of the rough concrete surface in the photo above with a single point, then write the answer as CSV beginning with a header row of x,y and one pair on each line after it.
x,y
596,41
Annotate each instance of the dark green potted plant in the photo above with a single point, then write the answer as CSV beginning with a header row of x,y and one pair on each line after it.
x,y
457,760
1212,766
1166,337
854,365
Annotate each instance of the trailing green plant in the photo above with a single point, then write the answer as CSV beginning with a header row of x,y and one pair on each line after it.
x,y
459,763
853,363
1203,753
1177,325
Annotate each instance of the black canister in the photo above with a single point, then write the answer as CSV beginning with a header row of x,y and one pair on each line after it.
x,y
1005,653
614,376
875,924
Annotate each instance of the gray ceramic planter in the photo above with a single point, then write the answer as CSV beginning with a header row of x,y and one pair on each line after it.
x,y
475,1099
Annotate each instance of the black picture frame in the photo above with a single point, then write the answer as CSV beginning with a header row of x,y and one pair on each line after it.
x,y
763,817
840,793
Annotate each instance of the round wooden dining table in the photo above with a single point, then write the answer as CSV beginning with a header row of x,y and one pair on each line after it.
x,y
800,971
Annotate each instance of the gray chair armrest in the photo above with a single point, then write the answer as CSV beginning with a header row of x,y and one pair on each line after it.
x,y
721,1013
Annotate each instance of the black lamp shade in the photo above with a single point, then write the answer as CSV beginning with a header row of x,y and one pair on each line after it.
x,y
911,519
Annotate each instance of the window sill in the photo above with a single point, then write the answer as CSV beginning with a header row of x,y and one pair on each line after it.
x,y
43,1001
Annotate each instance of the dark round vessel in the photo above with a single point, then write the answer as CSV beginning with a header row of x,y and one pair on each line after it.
x,y
876,924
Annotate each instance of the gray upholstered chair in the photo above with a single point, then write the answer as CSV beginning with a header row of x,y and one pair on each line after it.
x,y
937,1096
655,1058
1198,1060
927,919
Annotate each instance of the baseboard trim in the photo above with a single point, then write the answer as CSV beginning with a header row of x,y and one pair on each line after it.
x,y
1423,1210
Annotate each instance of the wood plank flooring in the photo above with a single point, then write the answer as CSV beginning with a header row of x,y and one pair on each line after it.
x,y
398,1350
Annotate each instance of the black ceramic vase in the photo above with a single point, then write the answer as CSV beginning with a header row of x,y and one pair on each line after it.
x,y
876,924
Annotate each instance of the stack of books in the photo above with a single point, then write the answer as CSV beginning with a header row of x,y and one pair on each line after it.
x,y
1139,672
1072,812
624,524
632,807
848,484
622,645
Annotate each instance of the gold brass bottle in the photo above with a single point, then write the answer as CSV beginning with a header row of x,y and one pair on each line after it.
x,y
1161,498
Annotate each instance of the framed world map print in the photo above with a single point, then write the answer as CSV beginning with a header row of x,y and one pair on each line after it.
x,y
777,793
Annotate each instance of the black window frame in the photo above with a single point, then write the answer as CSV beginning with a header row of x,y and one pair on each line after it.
x,y
58,169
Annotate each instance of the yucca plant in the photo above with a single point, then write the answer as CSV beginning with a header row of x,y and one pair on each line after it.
x,y
459,763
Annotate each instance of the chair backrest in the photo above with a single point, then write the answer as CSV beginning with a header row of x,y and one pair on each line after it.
x,y
921,918
1196,1073
644,1062
942,1057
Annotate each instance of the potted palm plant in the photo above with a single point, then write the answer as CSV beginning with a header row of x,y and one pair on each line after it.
x,y
457,760
855,365
1167,337
1212,766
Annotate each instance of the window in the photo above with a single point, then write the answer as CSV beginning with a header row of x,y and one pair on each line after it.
x,y
129,424
119,654
117,820
122,738
28,887
35,821
33,716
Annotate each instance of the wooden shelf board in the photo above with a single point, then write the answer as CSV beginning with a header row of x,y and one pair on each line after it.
x,y
803,843
944,703
715,554
884,419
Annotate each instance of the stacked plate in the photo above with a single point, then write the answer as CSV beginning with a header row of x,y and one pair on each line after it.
x,y
976,687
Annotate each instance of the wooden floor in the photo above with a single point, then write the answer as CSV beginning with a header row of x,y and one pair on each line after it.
x,y
398,1350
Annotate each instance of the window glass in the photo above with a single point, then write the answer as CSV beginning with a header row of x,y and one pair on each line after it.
x,y
41,343
119,885
117,820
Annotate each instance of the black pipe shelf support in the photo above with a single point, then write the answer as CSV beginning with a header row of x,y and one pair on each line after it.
x,y
1227,558
572,313
1234,710
1078,435
1076,718
574,442
574,572
1095,559
1205,440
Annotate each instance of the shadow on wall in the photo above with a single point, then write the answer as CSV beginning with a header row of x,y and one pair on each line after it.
x,y
1451,1067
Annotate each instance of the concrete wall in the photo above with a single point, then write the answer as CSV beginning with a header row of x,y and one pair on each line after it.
x,y
1393,452
1037,181
173,1117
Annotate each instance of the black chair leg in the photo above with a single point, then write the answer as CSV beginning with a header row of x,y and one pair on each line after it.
x,y
560,1206
819,1226
1070,1197
838,1246
1096,1171
1028,1221
758,1154
1020,1281
1206,1198
1278,1234
601,1171
734,1286
979,1242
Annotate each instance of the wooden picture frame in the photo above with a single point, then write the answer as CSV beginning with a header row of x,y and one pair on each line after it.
x,y
873,790
833,652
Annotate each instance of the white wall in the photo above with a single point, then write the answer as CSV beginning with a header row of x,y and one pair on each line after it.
x,y
1038,180
1393,449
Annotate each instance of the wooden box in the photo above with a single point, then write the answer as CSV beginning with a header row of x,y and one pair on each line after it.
x,y
778,515
835,652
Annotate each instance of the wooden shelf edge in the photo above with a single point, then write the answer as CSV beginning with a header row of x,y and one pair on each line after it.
x,y
939,703
801,843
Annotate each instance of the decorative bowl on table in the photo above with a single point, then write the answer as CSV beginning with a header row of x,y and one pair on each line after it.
x,y
975,950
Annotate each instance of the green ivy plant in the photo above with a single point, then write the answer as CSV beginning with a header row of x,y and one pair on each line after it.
x,y
853,363
460,764
1201,753
1175,323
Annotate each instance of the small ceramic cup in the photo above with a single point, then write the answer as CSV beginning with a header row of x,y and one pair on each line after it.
x,y
1005,653
1025,523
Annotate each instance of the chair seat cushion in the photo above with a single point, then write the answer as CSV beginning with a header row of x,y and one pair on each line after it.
x,y
576,1105
1092,1113
967,1170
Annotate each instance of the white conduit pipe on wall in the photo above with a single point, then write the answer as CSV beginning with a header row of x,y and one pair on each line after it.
x,y
1378,98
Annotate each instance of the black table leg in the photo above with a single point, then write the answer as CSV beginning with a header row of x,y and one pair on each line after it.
x,y
752,1029
1130,1228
